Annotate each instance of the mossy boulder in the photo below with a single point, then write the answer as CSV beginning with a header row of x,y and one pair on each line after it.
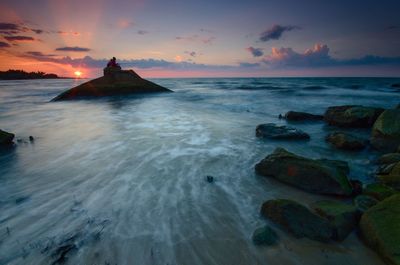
x,y
378,191
386,131
297,219
6,138
114,82
343,216
302,116
380,229
392,176
321,176
352,116
364,202
346,141
276,132
265,236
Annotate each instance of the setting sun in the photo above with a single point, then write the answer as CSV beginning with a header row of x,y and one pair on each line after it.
x,y
78,73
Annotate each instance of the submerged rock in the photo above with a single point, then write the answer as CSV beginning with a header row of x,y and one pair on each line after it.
x,y
297,219
379,227
273,131
343,217
346,141
321,176
114,82
302,116
210,179
386,131
352,116
378,191
6,138
265,236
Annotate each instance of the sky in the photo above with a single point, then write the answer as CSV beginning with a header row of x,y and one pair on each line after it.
x,y
208,38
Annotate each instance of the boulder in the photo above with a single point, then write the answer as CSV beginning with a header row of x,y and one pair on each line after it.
x,y
265,236
364,202
387,159
343,217
352,116
273,131
386,131
6,138
297,219
321,176
302,116
346,141
380,229
378,191
391,177
114,82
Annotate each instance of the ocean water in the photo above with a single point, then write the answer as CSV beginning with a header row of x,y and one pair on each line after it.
x,y
122,180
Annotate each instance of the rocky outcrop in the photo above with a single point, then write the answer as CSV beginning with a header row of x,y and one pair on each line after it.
x,y
346,141
265,236
6,138
273,131
378,191
379,227
386,131
114,82
297,219
321,176
343,217
352,116
302,116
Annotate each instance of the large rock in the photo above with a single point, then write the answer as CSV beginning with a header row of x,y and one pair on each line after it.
x,y
273,131
6,138
391,177
297,219
302,116
380,229
321,176
352,116
346,141
114,82
343,217
386,131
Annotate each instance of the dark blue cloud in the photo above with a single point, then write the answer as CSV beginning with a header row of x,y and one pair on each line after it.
x,y
256,52
73,49
275,32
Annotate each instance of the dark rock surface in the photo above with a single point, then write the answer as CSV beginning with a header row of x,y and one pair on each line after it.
x,y
265,236
346,141
321,176
364,202
302,116
6,138
352,116
114,82
273,131
386,131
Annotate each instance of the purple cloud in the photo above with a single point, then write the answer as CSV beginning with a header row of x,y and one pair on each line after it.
x,y
256,52
142,32
73,49
275,32
4,44
19,38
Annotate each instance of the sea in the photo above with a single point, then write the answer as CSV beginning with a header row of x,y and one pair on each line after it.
x,y
123,180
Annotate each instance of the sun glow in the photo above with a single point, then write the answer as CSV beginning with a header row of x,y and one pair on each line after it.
x,y
78,73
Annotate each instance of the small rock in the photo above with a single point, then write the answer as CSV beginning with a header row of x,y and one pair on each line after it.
x,y
396,85
302,116
273,131
346,141
378,191
210,179
265,236
364,202
6,138
31,138
385,134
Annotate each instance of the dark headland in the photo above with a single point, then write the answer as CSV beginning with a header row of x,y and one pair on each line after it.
x,y
114,82
21,75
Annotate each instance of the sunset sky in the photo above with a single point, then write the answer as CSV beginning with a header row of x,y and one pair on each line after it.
x,y
192,38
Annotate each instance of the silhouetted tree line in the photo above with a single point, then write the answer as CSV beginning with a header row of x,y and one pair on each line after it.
x,y
20,74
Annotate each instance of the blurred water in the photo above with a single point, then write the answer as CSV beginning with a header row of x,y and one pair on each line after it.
x,y
122,180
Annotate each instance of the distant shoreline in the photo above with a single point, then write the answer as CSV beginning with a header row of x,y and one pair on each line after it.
x,y
22,75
